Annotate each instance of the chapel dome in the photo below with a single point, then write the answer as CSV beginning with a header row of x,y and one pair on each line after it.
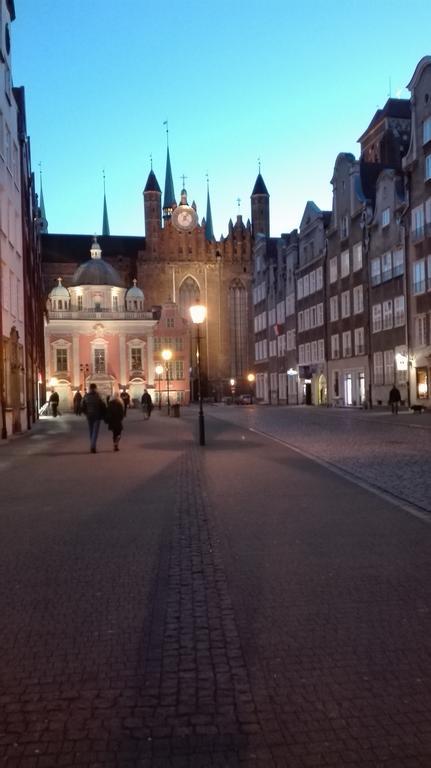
x,y
60,291
134,292
96,271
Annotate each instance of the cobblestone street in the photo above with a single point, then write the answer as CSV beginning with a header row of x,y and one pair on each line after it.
x,y
233,605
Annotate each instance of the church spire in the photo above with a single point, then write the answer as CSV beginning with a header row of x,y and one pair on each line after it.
x,y
105,224
42,215
209,232
169,201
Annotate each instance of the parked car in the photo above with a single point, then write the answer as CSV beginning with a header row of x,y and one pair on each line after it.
x,y
245,400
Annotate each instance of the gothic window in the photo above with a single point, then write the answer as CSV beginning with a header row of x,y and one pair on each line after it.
x,y
238,328
189,294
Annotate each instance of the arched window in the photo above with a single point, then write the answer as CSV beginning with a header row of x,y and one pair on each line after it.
x,y
189,294
238,329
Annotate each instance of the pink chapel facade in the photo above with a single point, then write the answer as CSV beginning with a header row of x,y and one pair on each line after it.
x,y
99,331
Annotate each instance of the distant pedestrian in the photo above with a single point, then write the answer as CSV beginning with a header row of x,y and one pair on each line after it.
x,y
95,410
54,401
126,400
394,399
147,404
77,402
114,418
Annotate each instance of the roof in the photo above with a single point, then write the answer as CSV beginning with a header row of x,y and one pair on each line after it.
x,y
61,248
96,272
152,184
169,197
393,108
259,186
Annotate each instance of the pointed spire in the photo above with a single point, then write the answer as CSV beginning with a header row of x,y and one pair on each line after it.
x,y
42,215
105,223
209,232
169,201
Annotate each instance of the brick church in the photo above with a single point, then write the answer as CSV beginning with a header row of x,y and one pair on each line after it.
x,y
180,261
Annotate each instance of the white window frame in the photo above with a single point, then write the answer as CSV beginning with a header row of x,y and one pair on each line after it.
x,y
357,257
377,318
386,217
378,367
358,299
333,308
345,304
426,130
333,271
335,346
359,341
347,344
399,311
345,263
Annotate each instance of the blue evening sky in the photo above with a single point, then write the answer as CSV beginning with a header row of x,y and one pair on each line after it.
x,y
293,83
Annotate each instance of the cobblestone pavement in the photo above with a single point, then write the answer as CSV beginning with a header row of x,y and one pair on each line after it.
x,y
235,605
391,452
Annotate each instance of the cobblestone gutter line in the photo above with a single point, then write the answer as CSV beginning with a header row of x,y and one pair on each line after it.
x,y
197,698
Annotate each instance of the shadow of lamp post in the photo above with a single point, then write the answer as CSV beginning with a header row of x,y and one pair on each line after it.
x,y
167,356
198,314
159,373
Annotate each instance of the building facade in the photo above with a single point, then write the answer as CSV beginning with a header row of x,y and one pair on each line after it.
x,y
183,265
12,329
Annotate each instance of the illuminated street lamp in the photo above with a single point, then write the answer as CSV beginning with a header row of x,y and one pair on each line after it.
x,y
251,379
232,383
198,314
159,372
167,355
294,372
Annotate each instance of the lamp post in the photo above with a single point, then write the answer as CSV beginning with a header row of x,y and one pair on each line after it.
x,y
232,383
167,355
198,314
159,372
85,370
294,372
251,379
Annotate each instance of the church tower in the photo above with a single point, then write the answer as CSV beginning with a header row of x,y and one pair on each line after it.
x,y
152,209
169,202
260,208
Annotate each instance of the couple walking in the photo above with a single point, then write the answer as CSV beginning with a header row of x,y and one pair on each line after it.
x,y
96,410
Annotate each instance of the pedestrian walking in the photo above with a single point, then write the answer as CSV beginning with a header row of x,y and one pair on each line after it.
x,y
147,404
54,401
95,410
126,400
77,402
394,399
114,418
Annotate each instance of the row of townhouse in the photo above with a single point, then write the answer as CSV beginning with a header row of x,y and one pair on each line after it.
x,y
21,295
342,307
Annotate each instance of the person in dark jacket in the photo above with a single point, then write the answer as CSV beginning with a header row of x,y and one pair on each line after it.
x,y
77,402
126,400
54,401
114,418
95,410
147,404
394,399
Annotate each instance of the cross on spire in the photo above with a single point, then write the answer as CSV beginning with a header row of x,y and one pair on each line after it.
x,y
238,200
184,180
258,163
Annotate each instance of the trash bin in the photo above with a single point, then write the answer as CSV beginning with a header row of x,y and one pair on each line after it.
x,y
175,410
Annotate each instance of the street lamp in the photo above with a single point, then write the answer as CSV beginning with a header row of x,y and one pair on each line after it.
x,y
251,379
294,372
159,372
167,355
232,383
198,314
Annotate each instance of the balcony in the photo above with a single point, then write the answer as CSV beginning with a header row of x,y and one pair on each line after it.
x,y
103,314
